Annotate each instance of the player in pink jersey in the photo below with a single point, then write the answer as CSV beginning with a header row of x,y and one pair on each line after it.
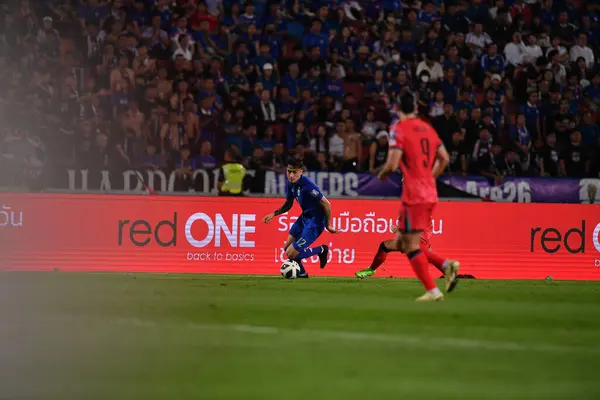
x,y
416,148
396,245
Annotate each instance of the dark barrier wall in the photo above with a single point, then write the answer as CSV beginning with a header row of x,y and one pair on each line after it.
x,y
205,182
334,184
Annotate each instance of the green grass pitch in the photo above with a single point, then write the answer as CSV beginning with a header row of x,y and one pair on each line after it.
x,y
79,336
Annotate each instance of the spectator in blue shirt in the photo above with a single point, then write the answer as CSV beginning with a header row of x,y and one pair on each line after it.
x,y
465,101
372,12
291,80
138,14
273,40
92,12
377,84
248,18
312,82
200,34
279,21
286,105
406,45
231,18
344,44
248,141
448,86
428,13
334,86
550,107
589,130
532,114
274,9
433,44
493,106
205,159
323,16
520,135
574,95
266,142
364,39
478,12
316,38
208,90
235,139
593,90
156,36
227,123
492,62
593,32
252,39
166,17
307,105
400,84
221,40
264,57
392,69
240,57
391,6
237,80
359,67
453,60
181,28
254,98
260,9
546,13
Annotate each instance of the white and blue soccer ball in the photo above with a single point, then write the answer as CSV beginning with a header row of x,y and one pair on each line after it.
x,y
290,269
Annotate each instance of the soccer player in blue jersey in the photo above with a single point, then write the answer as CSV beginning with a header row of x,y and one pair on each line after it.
x,y
315,217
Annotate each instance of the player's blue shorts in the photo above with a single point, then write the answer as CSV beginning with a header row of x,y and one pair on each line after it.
x,y
305,236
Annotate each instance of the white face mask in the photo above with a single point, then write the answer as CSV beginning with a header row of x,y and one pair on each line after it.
x,y
425,78
380,63
396,57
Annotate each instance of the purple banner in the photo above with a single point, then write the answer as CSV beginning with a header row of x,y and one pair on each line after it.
x,y
335,184
530,190
515,190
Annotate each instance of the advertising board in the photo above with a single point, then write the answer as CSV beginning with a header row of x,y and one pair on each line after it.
x,y
182,234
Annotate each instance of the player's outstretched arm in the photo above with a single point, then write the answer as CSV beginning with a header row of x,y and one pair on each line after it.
x,y
327,211
287,206
391,164
442,158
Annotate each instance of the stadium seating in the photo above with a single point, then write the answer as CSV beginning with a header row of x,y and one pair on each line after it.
x,y
338,51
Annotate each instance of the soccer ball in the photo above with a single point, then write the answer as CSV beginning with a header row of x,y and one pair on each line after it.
x,y
290,269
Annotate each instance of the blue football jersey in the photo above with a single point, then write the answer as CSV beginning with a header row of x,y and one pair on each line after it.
x,y
308,195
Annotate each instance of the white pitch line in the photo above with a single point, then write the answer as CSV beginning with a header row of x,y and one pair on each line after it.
x,y
309,335
409,340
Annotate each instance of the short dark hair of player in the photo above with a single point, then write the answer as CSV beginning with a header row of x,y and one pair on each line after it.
x,y
295,164
406,102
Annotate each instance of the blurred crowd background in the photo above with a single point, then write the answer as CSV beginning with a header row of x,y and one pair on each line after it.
x,y
512,86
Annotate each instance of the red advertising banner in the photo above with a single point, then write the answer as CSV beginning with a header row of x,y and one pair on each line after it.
x,y
225,235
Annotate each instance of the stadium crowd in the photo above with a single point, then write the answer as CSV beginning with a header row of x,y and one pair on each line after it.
x,y
512,86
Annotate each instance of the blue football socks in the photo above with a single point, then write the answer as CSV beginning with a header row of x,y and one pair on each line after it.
x,y
307,253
